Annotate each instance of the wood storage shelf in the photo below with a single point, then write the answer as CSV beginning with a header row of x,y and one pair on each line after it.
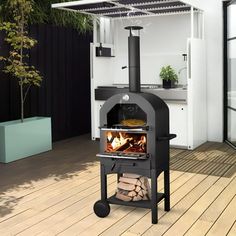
x,y
141,203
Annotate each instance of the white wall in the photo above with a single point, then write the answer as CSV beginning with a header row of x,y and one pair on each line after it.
x,y
214,45
163,40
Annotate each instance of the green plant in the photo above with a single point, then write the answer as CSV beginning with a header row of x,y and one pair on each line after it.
x,y
168,73
43,14
15,64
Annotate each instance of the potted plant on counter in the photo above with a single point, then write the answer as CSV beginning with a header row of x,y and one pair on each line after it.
x,y
168,76
24,137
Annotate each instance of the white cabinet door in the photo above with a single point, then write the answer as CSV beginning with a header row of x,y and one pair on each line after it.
x,y
231,21
197,97
178,124
96,123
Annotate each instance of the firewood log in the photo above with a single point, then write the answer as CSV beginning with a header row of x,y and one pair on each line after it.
x,y
122,191
144,192
142,180
131,176
137,198
137,189
132,194
143,186
138,183
123,146
123,197
140,193
128,180
125,186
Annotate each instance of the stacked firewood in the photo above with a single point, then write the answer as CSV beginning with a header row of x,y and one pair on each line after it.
x,y
133,187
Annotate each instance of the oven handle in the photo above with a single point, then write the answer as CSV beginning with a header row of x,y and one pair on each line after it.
x,y
165,138
122,157
124,130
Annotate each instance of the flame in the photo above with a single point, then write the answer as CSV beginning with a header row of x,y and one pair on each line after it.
x,y
109,136
142,140
117,142
126,142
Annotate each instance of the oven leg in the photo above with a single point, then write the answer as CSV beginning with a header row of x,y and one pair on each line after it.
x,y
167,189
118,176
154,196
103,183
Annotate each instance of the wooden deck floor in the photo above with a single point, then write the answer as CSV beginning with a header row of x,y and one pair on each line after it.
x,y
54,193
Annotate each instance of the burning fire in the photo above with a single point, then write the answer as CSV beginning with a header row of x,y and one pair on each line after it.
x,y
109,136
126,142
119,141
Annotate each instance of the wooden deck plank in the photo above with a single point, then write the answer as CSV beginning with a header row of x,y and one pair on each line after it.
x,y
27,199
22,191
179,209
225,221
128,221
232,231
195,211
144,223
55,205
78,211
54,194
52,220
100,227
211,214
31,200
74,225
8,223
71,216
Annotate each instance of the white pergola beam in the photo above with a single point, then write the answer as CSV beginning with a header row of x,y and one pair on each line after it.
x,y
77,3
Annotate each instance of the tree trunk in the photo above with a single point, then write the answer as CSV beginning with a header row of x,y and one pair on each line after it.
x,y
22,101
21,80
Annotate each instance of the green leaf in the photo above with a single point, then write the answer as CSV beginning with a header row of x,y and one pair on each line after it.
x,y
168,73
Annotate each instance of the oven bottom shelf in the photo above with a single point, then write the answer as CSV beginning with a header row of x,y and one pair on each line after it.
x,y
142,203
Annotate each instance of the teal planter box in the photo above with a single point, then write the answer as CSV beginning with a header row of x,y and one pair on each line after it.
x,y
19,140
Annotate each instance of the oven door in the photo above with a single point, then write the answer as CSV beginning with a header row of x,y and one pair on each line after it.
x,y
123,144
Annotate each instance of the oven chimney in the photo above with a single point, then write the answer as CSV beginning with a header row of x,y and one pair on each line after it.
x,y
134,59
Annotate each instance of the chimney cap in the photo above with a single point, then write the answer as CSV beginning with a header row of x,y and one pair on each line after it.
x,y
134,27
130,28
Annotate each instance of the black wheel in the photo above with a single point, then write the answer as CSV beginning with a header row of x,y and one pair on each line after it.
x,y
101,208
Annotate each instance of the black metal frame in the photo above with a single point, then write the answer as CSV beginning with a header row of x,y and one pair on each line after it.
x,y
155,113
155,196
225,70
157,147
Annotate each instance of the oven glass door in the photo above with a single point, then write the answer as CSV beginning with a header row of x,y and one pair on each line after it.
x,y
125,142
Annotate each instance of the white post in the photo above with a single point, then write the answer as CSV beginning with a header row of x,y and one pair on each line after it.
x,y
203,25
192,22
95,35
102,29
199,25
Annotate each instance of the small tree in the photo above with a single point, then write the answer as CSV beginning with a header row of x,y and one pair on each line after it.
x,y
15,64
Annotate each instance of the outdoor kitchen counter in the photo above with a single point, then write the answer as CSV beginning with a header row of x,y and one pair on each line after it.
x,y
174,95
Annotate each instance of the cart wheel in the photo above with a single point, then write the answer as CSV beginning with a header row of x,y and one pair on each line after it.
x,y
101,208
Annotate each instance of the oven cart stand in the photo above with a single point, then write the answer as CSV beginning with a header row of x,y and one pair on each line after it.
x,y
102,208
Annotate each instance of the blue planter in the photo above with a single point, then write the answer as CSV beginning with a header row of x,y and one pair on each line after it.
x,y
19,140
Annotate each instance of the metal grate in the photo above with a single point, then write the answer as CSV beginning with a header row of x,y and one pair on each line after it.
x,y
126,8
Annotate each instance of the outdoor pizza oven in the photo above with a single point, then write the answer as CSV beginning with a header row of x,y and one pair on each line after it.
x,y
134,138
130,126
